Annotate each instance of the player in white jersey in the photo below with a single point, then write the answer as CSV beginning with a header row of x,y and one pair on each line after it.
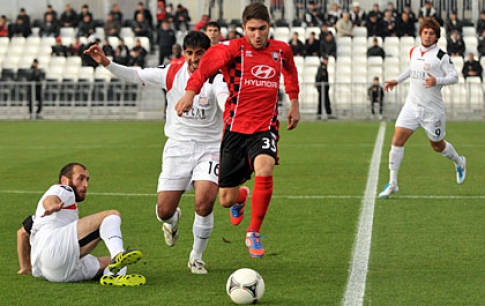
x,y
61,242
191,153
430,69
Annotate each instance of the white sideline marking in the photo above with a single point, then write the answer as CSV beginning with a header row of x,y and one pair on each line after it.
x,y
354,294
281,196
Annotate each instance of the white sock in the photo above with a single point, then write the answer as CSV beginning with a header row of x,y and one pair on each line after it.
x,y
396,155
451,153
173,220
110,232
202,229
120,272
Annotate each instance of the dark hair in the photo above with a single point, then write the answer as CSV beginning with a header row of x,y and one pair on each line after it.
x,y
213,24
430,23
255,10
196,39
67,170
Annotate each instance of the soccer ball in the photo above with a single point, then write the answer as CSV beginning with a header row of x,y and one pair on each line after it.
x,y
245,286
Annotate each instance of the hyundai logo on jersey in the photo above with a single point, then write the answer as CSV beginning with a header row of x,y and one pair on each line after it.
x,y
263,72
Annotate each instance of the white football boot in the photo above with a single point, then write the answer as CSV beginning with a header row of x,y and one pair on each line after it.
x,y
197,266
461,171
171,231
388,190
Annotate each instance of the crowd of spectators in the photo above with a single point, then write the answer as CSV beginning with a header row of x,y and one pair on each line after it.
x,y
161,28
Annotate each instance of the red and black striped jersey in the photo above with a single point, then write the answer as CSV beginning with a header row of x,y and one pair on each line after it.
x,y
253,79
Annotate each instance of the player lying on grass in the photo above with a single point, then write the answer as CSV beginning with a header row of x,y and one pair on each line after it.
x,y
56,244
191,153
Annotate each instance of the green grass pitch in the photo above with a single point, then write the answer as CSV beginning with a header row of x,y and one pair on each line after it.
x,y
427,241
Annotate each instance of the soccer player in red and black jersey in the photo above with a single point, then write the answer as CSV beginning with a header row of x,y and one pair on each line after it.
x,y
252,66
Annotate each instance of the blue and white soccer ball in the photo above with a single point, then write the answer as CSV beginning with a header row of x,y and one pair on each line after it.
x,y
245,286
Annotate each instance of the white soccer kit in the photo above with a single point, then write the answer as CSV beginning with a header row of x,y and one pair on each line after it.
x,y
192,151
424,106
55,251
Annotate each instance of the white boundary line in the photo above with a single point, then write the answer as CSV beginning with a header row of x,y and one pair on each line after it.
x,y
281,196
354,294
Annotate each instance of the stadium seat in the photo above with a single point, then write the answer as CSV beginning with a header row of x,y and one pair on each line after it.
x,y
130,42
4,41
407,42
48,41
67,41
31,50
99,32
86,73
126,32
359,32
469,31
475,94
68,32
344,50
74,61
312,61
442,43
359,41
459,62
58,61
15,50
370,41
300,31
392,41
33,40
17,41
114,41
343,41
392,51
374,61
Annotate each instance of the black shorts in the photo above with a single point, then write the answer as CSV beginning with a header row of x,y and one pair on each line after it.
x,y
238,152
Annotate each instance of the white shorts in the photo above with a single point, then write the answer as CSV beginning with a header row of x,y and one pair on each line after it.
x,y
186,162
57,256
434,123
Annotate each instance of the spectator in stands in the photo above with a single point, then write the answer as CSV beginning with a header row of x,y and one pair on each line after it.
x,y
213,31
456,44
376,50
177,56
344,25
297,45
85,11
481,44
166,38
389,24
147,15
429,11
26,18
141,27
202,23
481,23
312,16
357,15
122,54
69,17
392,9
405,27
51,11
454,24
36,75
412,16
108,48
376,95
49,27
472,67
233,33
161,12
170,14
75,48
117,14
112,27
375,27
59,49
328,46
86,27
3,26
136,59
140,52
312,45
181,17
334,14
376,11
323,88
19,29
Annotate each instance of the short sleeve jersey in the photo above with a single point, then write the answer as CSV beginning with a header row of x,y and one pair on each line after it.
x,y
68,214
423,62
204,121
253,79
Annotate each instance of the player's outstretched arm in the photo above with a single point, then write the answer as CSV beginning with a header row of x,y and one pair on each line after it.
x,y
23,251
98,55
52,204
185,103
389,85
293,114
